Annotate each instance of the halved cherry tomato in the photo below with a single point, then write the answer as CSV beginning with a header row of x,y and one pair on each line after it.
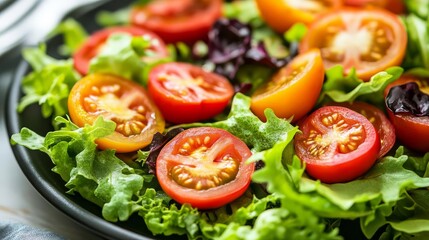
x,y
412,131
369,40
204,167
96,41
281,15
385,129
186,93
120,100
395,6
293,90
179,20
337,144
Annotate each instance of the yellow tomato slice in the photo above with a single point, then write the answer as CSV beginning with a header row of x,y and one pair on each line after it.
x,y
294,89
282,14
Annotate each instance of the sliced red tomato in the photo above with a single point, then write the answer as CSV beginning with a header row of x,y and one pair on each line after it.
x,y
369,40
384,127
412,131
92,46
337,144
120,100
179,20
186,93
281,15
293,90
395,6
204,167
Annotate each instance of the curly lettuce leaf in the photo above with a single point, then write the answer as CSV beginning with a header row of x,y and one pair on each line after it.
x,y
370,198
49,84
98,176
73,33
122,55
242,123
340,88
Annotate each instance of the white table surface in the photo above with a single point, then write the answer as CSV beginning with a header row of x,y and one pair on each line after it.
x,y
19,201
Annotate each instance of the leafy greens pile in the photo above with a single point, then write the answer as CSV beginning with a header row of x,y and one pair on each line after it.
x,y
389,201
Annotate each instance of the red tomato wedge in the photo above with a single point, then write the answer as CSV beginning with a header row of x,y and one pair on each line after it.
x,y
282,14
204,167
120,100
369,40
186,93
293,90
412,131
384,127
178,20
92,46
337,144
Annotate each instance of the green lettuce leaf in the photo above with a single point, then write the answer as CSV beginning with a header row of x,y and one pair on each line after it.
x,y
73,33
340,88
98,176
49,84
122,55
417,54
242,123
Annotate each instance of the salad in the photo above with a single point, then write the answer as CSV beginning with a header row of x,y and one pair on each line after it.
x,y
243,119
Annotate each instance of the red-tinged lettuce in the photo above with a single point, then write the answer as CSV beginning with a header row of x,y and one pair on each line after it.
x,y
230,47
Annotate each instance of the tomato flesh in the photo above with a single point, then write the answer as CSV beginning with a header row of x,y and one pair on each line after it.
x,y
96,41
368,40
180,20
120,100
384,127
204,167
337,144
293,90
186,93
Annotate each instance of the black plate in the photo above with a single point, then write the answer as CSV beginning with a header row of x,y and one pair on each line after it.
x,y
37,166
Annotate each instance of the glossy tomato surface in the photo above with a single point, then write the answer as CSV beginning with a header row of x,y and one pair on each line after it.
x,y
178,20
395,6
187,93
376,116
369,40
204,167
282,14
124,102
337,144
92,46
412,131
293,90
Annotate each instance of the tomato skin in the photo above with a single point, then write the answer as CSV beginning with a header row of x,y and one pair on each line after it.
x,y
412,131
174,23
133,95
294,97
281,15
206,94
361,51
384,127
213,197
93,44
395,6
332,165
